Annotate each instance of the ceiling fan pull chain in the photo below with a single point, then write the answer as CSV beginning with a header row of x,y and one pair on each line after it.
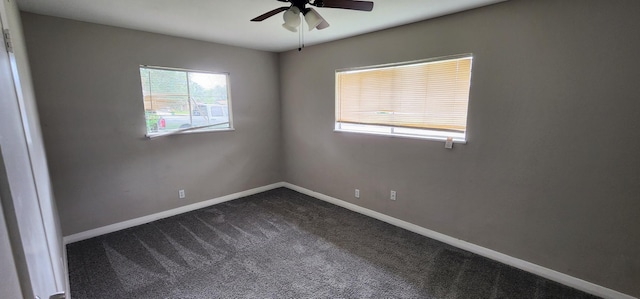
x,y
301,38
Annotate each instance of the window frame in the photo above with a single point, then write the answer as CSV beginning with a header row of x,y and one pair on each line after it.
x,y
399,131
190,130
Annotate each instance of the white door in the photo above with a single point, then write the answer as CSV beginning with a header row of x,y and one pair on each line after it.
x,y
25,187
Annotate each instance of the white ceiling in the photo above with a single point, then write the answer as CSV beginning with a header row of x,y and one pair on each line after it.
x,y
227,21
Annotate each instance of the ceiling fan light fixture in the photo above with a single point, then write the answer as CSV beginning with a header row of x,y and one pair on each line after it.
x,y
324,24
291,19
313,18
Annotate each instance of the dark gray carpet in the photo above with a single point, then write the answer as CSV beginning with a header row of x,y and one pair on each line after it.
x,y
283,244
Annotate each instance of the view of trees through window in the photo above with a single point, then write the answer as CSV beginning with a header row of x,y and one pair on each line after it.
x,y
178,100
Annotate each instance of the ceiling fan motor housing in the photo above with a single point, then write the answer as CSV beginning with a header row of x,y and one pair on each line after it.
x,y
301,5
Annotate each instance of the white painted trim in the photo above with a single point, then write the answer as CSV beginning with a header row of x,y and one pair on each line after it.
x,y
486,252
65,260
153,217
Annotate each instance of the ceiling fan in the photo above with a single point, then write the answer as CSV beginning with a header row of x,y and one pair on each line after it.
x,y
311,16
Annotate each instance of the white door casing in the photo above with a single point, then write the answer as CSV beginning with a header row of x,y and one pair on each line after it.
x,y
30,208
9,284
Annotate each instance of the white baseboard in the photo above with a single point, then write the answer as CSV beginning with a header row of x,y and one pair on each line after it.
x,y
486,252
153,217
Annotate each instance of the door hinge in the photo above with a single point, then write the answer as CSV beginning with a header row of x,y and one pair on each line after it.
x,y
7,40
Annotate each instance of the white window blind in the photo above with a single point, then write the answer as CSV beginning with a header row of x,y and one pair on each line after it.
x,y
426,95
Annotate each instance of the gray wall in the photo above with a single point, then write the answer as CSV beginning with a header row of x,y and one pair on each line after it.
x,y
551,172
89,97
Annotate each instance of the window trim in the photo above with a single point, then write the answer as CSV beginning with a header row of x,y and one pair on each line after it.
x,y
193,130
429,134
187,131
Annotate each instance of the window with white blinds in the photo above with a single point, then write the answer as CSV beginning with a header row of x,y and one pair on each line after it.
x,y
424,99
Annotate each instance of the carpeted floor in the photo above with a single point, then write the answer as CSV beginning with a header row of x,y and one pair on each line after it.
x,y
283,244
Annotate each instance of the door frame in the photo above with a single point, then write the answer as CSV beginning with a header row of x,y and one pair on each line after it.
x,y
28,203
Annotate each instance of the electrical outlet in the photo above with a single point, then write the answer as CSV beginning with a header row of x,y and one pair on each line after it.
x,y
357,193
393,195
181,193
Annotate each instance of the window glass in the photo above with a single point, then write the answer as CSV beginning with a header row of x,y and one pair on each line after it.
x,y
216,111
184,101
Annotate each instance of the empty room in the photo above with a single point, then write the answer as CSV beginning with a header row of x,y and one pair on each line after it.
x,y
320,149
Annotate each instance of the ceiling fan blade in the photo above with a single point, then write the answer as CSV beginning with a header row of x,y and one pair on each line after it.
x,y
346,4
269,14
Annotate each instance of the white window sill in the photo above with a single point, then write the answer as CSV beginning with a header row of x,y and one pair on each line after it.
x,y
458,138
164,134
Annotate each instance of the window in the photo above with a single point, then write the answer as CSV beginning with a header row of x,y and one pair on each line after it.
x,y
424,99
178,101
216,111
